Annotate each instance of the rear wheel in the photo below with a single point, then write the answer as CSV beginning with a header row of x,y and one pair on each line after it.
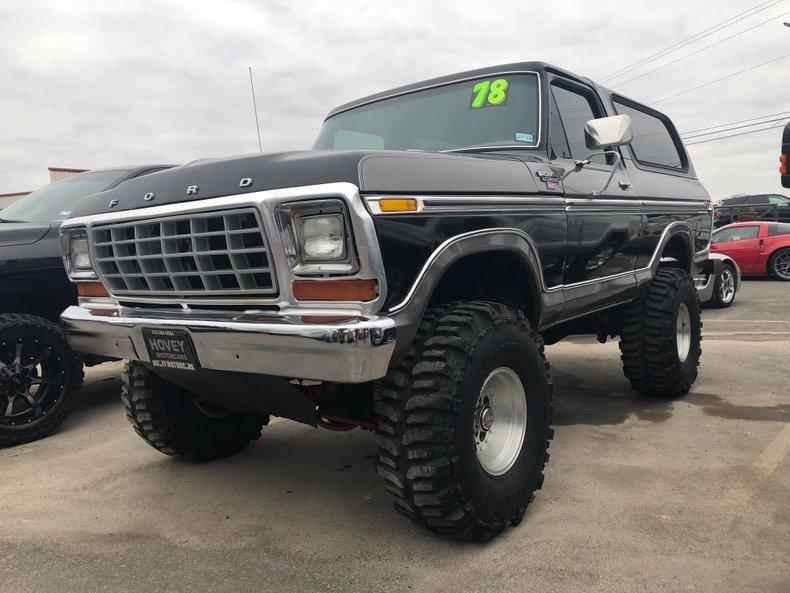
x,y
178,423
40,378
723,288
779,266
463,427
660,341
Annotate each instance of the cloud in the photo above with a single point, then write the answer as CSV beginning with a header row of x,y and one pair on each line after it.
x,y
92,84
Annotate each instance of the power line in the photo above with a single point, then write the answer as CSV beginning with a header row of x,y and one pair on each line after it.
x,y
719,79
731,128
694,38
700,50
732,123
732,135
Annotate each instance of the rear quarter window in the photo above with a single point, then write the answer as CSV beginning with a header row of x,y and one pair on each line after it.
x,y
778,229
654,142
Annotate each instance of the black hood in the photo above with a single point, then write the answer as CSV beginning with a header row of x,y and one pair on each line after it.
x,y
22,233
371,171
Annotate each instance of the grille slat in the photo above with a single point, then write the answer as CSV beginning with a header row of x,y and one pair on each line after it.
x,y
223,253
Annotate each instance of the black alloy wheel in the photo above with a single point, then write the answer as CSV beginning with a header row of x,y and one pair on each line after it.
x,y
40,377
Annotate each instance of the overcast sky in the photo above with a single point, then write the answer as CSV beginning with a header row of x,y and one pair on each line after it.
x,y
96,84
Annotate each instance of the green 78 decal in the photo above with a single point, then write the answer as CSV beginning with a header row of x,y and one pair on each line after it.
x,y
486,93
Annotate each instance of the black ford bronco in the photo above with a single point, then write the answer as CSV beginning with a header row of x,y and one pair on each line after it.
x,y
403,276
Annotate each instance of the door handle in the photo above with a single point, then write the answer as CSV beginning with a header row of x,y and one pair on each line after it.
x,y
623,185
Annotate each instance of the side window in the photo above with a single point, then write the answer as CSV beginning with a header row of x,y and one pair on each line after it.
x,y
754,200
557,138
653,143
738,233
778,229
778,200
574,110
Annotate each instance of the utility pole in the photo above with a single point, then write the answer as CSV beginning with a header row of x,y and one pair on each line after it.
x,y
255,109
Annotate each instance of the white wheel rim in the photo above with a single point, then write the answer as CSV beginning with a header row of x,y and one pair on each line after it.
x,y
683,332
500,422
727,286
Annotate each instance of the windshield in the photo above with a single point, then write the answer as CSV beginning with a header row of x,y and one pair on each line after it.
x,y
495,111
55,201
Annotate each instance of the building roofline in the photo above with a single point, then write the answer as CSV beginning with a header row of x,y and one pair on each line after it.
x,y
66,170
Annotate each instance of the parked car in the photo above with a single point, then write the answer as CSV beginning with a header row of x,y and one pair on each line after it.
x,y
775,207
719,283
404,276
757,247
40,375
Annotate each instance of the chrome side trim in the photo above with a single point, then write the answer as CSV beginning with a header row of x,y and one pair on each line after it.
x,y
431,203
643,205
455,81
371,265
602,205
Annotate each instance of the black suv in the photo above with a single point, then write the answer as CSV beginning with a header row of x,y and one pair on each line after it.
x,y
404,276
774,207
39,374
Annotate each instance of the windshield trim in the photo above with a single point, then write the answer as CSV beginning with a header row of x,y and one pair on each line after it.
x,y
456,81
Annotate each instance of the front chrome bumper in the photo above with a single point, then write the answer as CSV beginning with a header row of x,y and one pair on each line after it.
x,y
350,351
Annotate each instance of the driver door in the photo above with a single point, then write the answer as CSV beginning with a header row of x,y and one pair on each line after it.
x,y
604,231
741,243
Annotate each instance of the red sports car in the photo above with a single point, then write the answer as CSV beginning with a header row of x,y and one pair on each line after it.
x,y
757,247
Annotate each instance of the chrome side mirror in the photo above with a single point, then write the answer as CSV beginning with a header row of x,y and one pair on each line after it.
x,y
608,132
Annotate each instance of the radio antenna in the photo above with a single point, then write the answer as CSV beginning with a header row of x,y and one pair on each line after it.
x,y
255,109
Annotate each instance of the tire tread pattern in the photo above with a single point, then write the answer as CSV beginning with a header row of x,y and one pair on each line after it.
x,y
647,340
416,418
143,395
11,321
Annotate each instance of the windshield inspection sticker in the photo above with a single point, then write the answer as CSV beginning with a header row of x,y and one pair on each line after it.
x,y
524,137
489,93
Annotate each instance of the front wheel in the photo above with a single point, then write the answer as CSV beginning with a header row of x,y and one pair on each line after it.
x,y
176,422
40,378
661,337
723,288
779,266
463,426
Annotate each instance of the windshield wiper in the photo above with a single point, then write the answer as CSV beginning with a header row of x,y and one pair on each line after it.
x,y
484,149
11,220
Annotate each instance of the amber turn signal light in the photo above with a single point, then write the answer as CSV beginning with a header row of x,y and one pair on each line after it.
x,y
398,205
91,289
335,290
783,163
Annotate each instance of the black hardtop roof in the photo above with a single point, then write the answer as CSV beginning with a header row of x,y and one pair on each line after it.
x,y
515,67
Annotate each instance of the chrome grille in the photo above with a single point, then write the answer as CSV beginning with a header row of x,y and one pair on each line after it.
x,y
207,253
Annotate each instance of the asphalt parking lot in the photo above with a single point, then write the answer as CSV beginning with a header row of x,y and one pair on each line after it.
x,y
640,494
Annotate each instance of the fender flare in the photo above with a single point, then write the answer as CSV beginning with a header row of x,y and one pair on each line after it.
x,y
408,312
